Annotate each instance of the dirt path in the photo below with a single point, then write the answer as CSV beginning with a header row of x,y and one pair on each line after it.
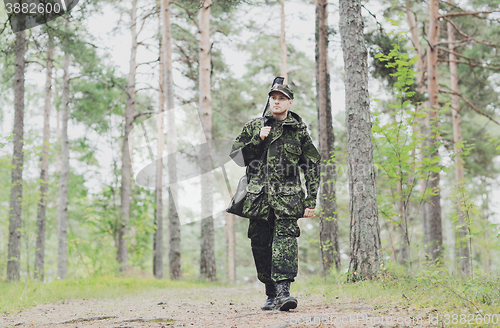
x,y
208,307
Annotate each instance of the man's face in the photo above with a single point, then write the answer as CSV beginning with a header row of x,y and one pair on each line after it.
x,y
279,103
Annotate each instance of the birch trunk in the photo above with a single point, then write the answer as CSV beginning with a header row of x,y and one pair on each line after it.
x,y
364,231
122,251
420,125
329,247
44,164
16,191
62,207
231,248
283,64
158,238
207,256
432,207
462,249
173,217
402,227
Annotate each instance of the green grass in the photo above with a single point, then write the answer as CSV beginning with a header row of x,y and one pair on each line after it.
x,y
16,296
433,291
436,292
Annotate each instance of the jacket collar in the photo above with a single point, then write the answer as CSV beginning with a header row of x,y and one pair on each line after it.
x,y
291,119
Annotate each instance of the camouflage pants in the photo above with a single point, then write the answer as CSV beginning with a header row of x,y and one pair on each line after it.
x,y
274,247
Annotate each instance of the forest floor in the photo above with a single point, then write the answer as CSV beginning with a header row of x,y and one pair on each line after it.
x,y
219,306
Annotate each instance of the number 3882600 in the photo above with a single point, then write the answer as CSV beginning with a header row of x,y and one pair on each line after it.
x,y
33,8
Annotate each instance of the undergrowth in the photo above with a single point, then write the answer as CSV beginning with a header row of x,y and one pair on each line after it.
x,y
17,296
431,291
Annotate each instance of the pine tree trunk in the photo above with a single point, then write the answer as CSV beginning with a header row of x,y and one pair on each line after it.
x,y
122,251
283,64
16,192
364,231
432,207
62,206
207,256
402,227
58,128
158,239
44,164
329,247
462,249
173,217
231,248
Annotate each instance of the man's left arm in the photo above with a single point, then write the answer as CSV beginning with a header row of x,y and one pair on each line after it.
x,y
310,164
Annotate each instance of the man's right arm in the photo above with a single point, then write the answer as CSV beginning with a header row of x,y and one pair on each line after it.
x,y
247,146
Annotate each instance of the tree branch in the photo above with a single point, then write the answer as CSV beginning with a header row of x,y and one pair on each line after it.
x,y
493,68
144,113
34,61
460,55
190,15
468,37
470,104
147,63
474,13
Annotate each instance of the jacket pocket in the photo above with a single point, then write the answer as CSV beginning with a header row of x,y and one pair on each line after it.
x,y
256,203
289,201
291,156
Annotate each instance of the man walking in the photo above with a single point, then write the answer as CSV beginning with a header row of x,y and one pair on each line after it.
x,y
274,147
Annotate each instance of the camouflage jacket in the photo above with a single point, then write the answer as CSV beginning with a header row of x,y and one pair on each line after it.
x,y
273,166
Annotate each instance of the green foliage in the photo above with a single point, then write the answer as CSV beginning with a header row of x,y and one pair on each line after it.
x,y
434,291
16,296
398,142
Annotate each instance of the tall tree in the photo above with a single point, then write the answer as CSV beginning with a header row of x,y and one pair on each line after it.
x,y
173,216
421,68
16,192
62,207
158,239
126,170
231,248
207,256
462,248
328,203
432,207
363,211
283,63
44,165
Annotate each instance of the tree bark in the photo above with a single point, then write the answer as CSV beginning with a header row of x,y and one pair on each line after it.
x,y
420,125
329,245
364,231
231,248
16,191
44,164
122,251
173,216
283,64
462,249
207,256
62,207
402,227
158,238
432,207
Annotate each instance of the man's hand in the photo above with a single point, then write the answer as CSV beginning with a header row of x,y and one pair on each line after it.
x,y
308,212
264,132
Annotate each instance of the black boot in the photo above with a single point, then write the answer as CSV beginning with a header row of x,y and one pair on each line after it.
x,y
284,301
271,297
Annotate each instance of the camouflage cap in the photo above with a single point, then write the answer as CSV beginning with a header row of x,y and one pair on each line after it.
x,y
284,89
